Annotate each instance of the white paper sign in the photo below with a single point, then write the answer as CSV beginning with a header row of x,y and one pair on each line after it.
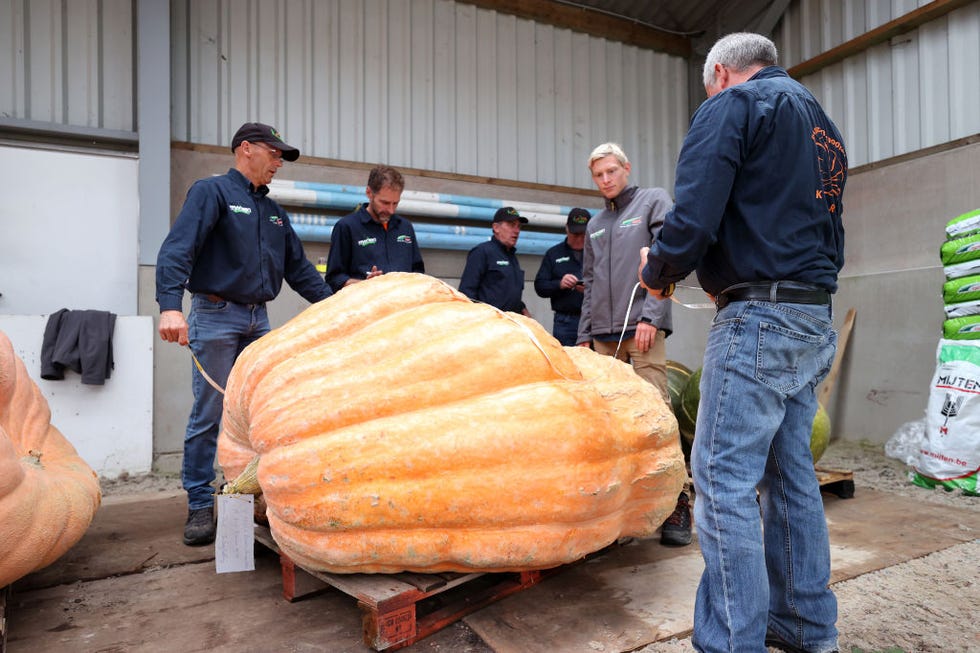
x,y
234,544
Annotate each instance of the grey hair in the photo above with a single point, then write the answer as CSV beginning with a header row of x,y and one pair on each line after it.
x,y
608,149
739,51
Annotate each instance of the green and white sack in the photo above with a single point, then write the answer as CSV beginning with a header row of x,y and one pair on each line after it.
x,y
962,309
964,289
963,225
949,457
961,249
964,269
962,328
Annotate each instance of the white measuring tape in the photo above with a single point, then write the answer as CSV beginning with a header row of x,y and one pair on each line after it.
x,y
629,308
527,331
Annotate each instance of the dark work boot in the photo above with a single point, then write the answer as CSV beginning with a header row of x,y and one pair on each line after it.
x,y
777,642
199,529
676,531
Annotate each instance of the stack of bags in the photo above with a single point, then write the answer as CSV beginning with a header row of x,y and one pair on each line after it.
x,y
960,255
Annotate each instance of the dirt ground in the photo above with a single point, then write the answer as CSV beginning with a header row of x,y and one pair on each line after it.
x,y
923,605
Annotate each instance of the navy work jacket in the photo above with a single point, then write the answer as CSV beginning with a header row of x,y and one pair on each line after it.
x,y
555,264
493,275
758,191
358,243
231,240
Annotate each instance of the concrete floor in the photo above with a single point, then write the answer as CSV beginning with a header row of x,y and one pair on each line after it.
x,y
130,585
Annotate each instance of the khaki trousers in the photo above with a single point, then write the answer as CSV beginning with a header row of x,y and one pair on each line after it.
x,y
651,364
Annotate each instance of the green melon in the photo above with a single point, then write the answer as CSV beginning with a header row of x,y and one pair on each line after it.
x,y
820,434
690,396
688,412
677,377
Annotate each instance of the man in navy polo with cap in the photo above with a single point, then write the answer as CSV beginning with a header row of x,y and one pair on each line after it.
x,y
493,274
560,278
231,247
374,239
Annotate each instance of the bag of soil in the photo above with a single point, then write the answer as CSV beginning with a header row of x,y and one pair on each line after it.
x,y
962,308
962,328
950,454
964,269
965,289
960,250
963,225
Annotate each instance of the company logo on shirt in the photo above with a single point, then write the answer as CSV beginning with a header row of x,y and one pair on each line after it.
x,y
597,233
240,209
404,239
276,220
833,168
630,222
563,259
503,262
367,242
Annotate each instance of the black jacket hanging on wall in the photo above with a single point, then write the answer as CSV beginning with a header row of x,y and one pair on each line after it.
x,y
80,341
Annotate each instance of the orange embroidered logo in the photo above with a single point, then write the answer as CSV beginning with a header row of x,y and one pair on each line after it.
x,y
833,167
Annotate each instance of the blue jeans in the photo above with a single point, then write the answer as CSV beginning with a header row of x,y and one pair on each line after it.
x,y
565,329
218,333
762,363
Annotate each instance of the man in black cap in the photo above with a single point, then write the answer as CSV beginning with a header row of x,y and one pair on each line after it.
x,y
560,278
493,274
231,247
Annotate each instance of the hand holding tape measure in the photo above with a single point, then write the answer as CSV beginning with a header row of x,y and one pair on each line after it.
x,y
668,291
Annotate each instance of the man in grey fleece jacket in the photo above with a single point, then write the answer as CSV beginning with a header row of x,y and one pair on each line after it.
x,y
630,221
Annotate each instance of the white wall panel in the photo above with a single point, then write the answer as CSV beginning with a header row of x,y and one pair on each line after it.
x,y
917,90
430,84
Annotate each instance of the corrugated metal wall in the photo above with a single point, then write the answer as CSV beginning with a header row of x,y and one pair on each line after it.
x,y
68,63
920,89
428,84
433,84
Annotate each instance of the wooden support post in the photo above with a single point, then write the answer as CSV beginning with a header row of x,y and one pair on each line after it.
x,y
823,394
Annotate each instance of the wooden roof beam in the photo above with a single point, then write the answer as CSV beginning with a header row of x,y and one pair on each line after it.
x,y
594,23
886,32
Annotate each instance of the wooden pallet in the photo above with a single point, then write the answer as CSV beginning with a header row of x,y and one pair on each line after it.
x,y
836,481
400,609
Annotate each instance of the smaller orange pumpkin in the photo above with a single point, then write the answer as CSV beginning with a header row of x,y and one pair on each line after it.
x,y
48,494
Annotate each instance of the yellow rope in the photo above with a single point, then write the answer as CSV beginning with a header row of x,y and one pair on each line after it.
x,y
200,368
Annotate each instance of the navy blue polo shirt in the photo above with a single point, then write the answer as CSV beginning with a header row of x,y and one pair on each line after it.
x,y
494,276
231,240
555,264
758,192
359,243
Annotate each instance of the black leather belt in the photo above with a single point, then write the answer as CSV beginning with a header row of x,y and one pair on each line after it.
x,y
788,292
216,299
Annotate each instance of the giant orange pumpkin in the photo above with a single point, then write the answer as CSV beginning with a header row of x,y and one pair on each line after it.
x,y
48,494
400,426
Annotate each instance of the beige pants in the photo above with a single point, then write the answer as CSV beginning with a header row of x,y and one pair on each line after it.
x,y
650,364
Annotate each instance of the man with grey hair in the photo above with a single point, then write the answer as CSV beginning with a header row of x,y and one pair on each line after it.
x,y
630,220
758,216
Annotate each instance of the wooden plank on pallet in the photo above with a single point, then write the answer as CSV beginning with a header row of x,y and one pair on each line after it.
x,y
836,481
400,609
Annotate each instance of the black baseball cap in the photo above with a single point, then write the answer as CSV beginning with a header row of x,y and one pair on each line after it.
x,y
578,220
256,132
508,214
